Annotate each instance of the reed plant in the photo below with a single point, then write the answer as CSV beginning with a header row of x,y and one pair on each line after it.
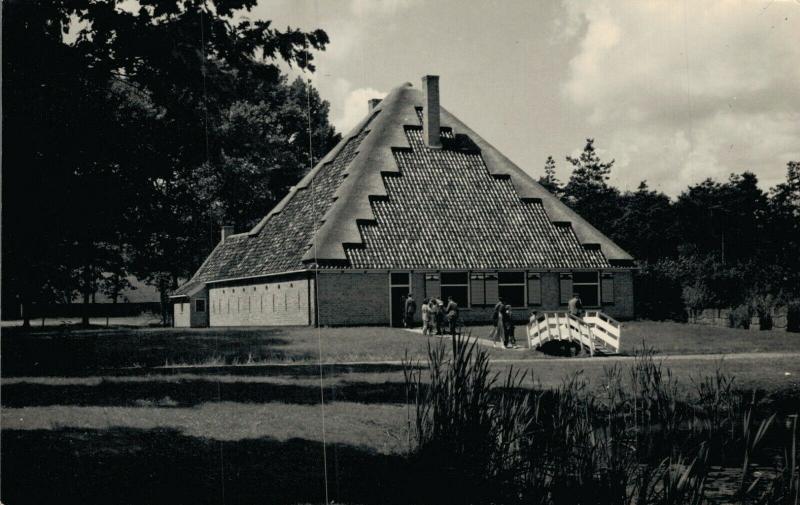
x,y
641,437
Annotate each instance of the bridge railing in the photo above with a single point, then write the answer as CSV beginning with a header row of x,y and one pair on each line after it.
x,y
595,330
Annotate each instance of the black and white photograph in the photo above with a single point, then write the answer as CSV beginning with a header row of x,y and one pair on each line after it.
x,y
467,252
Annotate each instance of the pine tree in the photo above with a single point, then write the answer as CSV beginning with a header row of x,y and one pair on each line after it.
x,y
588,192
549,179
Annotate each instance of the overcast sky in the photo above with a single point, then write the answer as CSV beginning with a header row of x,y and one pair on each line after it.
x,y
675,91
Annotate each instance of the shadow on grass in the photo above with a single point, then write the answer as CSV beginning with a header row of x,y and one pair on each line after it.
x,y
64,354
309,369
162,466
187,393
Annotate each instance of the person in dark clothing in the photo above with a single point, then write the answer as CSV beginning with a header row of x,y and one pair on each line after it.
x,y
440,317
508,323
410,310
452,315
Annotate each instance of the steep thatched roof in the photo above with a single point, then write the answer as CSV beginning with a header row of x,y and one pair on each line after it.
x,y
382,199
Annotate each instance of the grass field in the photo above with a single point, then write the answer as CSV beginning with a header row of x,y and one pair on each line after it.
x,y
150,415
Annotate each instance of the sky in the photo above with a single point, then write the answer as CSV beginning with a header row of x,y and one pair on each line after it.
x,y
675,91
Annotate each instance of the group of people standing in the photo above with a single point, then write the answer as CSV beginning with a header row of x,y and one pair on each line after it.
x,y
434,314
503,326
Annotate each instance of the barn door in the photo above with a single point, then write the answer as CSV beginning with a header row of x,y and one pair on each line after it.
x,y
400,286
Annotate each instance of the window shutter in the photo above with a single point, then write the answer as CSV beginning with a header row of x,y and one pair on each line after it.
x,y
565,287
491,289
607,288
476,289
534,289
432,286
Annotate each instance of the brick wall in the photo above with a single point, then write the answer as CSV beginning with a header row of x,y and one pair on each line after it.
x,y
622,308
623,296
354,298
284,302
551,293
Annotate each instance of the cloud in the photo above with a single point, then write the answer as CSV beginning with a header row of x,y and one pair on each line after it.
x,y
355,108
683,91
363,8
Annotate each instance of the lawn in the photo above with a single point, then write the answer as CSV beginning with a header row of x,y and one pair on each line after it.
x,y
66,350
153,415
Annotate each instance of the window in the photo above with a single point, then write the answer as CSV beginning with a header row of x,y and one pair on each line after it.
x,y
400,279
607,288
181,306
586,285
511,288
456,284
534,288
200,305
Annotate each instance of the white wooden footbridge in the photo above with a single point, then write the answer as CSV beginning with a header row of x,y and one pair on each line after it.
x,y
596,332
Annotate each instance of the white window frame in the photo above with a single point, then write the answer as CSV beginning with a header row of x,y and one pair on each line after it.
x,y
204,305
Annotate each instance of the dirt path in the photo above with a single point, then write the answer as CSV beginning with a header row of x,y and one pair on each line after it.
x,y
752,356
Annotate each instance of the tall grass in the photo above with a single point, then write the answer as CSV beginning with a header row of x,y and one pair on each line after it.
x,y
477,437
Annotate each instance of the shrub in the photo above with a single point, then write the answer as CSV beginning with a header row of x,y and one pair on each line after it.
x,y
740,317
696,297
793,316
763,305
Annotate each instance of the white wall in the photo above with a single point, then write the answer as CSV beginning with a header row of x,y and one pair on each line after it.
x,y
181,314
279,303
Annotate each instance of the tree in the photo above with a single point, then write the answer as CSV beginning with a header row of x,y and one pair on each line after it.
x,y
784,228
727,219
104,129
587,190
786,195
549,179
646,227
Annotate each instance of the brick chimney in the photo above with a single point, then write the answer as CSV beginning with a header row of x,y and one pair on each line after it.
x,y
227,231
372,103
430,111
